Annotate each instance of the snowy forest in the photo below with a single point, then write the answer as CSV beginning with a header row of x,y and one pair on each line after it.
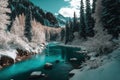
x,y
36,44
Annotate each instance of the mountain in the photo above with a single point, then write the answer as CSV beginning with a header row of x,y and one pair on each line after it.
x,y
61,19
25,6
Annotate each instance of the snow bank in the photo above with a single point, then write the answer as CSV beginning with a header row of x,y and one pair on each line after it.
x,y
72,46
9,53
108,71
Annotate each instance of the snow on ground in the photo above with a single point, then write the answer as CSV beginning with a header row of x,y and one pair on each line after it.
x,y
72,46
9,53
108,70
12,53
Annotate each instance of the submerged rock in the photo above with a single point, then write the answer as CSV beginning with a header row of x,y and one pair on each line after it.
x,y
48,66
57,61
37,75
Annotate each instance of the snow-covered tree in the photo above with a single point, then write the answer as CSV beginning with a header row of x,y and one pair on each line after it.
x,y
75,26
3,16
20,23
111,17
67,28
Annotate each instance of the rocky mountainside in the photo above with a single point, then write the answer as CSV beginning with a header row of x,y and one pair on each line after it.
x,y
61,20
24,6
26,15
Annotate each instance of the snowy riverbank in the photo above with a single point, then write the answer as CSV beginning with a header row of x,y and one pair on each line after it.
x,y
104,67
10,56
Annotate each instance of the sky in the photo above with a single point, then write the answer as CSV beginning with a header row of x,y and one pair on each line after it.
x,y
64,7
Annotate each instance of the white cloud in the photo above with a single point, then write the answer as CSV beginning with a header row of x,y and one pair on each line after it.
x,y
68,11
74,6
66,0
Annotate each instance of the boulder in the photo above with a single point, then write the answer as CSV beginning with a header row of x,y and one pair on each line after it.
x,y
82,52
73,59
92,54
6,60
71,74
42,45
18,59
92,58
48,66
35,74
43,75
1,67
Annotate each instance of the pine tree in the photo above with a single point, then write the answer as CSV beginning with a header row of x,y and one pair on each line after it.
x,y
111,17
75,27
28,27
62,34
93,6
82,30
71,30
67,32
89,20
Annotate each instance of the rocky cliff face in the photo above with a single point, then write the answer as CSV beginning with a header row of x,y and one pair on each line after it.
x,y
31,21
24,6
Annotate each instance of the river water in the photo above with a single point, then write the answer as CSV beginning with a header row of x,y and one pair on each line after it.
x,y
22,70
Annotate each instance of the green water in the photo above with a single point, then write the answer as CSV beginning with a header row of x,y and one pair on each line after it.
x,y
22,70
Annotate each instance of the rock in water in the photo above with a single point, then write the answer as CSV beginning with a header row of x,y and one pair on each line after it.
x,y
44,75
57,61
35,74
73,59
48,66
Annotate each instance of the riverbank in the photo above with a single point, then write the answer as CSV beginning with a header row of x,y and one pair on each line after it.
x,y
9,57
103,63
61,58
7,61
100,68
